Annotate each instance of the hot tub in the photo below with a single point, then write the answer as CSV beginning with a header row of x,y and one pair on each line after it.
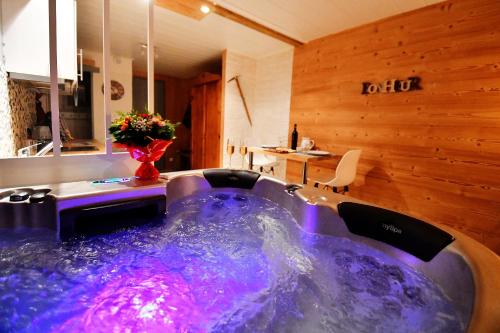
x,y
235,252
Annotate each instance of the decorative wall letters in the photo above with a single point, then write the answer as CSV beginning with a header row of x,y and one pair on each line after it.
x,y
392,86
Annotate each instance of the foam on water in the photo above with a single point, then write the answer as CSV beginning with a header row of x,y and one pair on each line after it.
x,y
222,261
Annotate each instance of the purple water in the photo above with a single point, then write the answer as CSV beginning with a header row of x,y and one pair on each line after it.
x,y
221,262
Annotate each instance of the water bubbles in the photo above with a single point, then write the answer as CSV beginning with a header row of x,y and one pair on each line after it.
x,y
392,307
414,295
222,196
240,198
222,261
217,205
394,272
344,259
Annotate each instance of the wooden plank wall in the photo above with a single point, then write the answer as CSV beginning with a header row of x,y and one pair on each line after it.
x,y
432,153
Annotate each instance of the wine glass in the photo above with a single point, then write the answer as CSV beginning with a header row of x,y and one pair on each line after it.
x,y
230,150
243,153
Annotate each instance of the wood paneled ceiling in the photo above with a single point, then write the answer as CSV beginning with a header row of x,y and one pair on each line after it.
x,y
186,46
306,20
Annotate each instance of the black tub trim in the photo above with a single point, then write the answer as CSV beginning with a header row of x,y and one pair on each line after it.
x,y
407,233
107,217
218,178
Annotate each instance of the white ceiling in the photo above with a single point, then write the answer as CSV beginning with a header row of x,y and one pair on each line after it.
x,y
186,47
306,20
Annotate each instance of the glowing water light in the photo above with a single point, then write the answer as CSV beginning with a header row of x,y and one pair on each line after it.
x,y
223,261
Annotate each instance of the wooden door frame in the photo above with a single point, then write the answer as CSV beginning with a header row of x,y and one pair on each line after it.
x,y
205,79
222,107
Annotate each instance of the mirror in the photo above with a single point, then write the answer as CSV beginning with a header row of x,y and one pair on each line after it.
x,y
25,114
188,48
190,69
237,73
81,103
25,117
128,70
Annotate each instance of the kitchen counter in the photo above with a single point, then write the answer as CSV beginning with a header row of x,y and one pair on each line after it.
x,y
82,146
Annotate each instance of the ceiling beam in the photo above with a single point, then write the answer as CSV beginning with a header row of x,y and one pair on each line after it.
x,y
219,10
191,8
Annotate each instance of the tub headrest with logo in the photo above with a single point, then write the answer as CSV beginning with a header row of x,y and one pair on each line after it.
x,y
409,234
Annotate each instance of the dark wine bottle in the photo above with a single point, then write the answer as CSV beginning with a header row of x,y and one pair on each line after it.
x,y
295,137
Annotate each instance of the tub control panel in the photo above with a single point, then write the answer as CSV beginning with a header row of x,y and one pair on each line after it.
x,y
19,196
112,181
25,194
409,234
83,208
28,208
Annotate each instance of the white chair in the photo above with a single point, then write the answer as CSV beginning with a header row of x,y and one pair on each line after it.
x,y
263,163
345,172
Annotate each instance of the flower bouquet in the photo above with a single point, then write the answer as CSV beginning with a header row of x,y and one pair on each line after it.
x,y
146,136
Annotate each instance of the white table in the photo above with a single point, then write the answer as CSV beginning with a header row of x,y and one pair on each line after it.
x,y
297,156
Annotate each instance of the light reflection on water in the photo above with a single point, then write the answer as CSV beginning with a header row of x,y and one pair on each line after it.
x,y
222,262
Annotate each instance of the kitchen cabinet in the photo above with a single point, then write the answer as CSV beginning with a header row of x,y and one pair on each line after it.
x,y
25,37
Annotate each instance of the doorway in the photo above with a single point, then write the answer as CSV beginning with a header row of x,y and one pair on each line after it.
x,y
140,95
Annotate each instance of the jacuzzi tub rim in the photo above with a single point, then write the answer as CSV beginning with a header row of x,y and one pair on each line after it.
x,y
483,262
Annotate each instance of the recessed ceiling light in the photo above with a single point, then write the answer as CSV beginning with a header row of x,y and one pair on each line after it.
x,y
205,9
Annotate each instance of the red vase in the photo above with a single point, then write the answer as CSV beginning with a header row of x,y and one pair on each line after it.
x,y
147,156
